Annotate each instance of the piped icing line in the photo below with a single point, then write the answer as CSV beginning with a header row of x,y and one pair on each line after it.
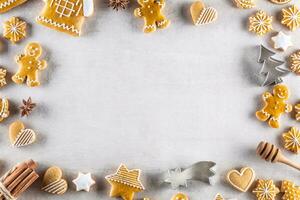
x,y
59,25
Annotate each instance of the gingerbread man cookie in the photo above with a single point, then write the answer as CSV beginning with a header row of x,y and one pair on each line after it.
x,y
29,65
151,11
274,106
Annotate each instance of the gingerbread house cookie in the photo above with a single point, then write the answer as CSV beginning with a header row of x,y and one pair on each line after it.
x,y
66,15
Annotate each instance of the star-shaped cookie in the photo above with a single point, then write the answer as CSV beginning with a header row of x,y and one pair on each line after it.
x,y
83,182
125,183
282,41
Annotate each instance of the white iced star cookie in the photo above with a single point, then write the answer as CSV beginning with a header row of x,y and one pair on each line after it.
x,y
282,41
83,182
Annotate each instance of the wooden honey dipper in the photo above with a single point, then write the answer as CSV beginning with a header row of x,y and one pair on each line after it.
x,y
271,153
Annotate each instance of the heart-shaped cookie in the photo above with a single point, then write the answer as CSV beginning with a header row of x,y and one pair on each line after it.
x,y
53,181
241,180
202,15
20,136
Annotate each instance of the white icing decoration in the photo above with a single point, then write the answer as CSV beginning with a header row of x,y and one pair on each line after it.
x,y
282,41
88,7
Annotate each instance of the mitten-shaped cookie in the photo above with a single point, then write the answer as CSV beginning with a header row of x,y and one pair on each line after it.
x,y
29,65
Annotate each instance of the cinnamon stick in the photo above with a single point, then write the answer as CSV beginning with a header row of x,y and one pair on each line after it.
x,y
25,184
19,179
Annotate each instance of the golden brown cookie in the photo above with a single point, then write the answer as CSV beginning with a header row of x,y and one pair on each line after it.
x,y
66,16
260,23
14,29
29,65
280,1
6,5
180,196
291,140
53,182
294,62
265,190
291,192
20,136
241,180
274,106
291,17
151,12
245,4
4,109
2,77
202,15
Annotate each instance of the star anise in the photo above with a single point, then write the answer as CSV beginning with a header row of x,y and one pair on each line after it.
x,y
27,107
118,4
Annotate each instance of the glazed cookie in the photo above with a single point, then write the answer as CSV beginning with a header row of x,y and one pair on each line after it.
x,y
66,15
151,11
274,105
29,65
6,5
265,190
202,15
20,136
291,17
291,140
180,196
294,63
291,192
4,109
280,1
14,29
125,183
260,23
53,182
2,77
245,4
241,180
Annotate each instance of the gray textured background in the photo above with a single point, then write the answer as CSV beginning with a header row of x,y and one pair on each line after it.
x,y
153,102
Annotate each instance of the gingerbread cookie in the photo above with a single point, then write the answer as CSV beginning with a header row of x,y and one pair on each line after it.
x,y
20,136
6,5
291,192
14,29
2,77
53,182
260,23
265,190
151,11
4,109
291,17
202,15
29,65
275,105
66,15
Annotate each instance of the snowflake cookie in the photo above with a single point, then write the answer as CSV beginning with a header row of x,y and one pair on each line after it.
x,y
291,140
14,29
66,15
29,65
260,23
265,190
151,11
291,17
294,60
275,105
